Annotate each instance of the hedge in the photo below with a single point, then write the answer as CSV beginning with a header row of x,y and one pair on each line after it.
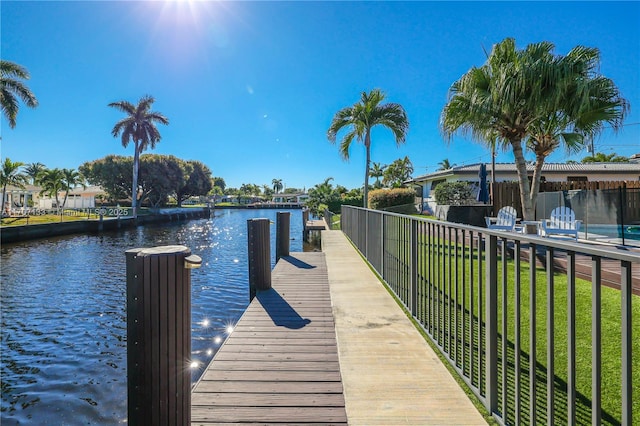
x,y
384,198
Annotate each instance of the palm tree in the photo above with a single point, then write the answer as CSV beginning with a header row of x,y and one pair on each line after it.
x,y
398,172
12,88
70,180
33,170
445,165
529,93
601,157
277,185
11,175
140,127
377,171
361,118
584,103
52,183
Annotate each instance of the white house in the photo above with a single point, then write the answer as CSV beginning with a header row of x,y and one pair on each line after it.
x,y
289,198
79,198
551,172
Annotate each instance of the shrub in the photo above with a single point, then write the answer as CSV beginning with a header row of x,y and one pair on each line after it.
x,y
384,198
453,193
335,205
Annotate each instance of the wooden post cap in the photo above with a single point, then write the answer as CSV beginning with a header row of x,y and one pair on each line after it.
x,y
160,250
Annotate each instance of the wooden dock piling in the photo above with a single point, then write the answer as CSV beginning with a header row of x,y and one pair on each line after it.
x,y
159,335
283,220
259,256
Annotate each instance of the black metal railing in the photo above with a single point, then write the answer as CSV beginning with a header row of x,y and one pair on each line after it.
x,y
540,329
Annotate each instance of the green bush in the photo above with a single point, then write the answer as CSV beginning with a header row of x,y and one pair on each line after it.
x,y
453,193
384,198
335,205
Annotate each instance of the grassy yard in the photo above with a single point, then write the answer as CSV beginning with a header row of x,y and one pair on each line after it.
x,y
467,311
40,219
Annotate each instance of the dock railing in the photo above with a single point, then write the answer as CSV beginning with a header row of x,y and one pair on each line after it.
x,y
539,329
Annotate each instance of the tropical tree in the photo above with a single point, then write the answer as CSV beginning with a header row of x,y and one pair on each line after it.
x,y
11,175
361,118
71,179
398,172
377,171
445,165
33,170
267,191
277,185
320,196
161,176
13,88
601,157
140,128
112,173
532,96
219,182
52,183
197,181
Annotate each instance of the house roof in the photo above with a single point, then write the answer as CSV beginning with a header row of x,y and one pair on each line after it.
x,y
547,168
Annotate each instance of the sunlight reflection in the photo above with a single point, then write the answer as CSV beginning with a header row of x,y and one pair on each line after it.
x,y
217,340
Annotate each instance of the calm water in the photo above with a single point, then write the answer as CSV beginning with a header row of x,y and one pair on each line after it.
x,y
63,303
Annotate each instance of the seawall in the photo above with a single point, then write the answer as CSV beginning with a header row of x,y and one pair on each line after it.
x,y
12,234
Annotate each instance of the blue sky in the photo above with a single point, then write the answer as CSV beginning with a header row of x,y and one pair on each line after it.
x,y
250,88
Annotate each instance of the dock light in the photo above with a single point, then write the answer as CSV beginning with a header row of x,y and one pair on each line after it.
x,y
192,262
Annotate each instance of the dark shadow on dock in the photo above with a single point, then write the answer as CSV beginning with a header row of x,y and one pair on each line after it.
x,y
281,313
296,262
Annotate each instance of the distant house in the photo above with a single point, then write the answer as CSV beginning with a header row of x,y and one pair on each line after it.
x,y
299,198
16,198
78,198
551,172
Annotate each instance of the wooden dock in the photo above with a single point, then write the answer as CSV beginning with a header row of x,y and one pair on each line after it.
x,y
280,364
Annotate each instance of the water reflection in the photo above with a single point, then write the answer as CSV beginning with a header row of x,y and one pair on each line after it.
x,y
63,323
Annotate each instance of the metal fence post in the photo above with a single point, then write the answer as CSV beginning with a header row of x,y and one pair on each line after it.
x,y
259,255
491,318
283,219
159,335
413,247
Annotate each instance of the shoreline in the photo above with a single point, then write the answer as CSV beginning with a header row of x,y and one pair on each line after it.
x,y
19,233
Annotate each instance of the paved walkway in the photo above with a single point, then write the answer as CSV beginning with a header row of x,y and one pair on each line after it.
x,y
390,375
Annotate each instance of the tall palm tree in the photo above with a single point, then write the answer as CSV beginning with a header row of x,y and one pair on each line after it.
x,y
13,88
277,185
140,127
70,180
11,174
377,171
585,103
33,170
529,95
361,118
445,165
52,183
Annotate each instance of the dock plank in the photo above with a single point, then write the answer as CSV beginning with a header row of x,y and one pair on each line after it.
x,y
280,364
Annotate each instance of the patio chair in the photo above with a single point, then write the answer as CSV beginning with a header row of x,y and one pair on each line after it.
x,y
505,221
561,222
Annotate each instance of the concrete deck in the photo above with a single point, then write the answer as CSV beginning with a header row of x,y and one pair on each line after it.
x,y
390,375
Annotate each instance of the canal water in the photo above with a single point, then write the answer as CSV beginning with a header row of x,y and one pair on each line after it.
x,y
63,318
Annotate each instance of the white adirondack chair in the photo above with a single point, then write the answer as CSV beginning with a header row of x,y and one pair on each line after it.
x,y
562,222
505,221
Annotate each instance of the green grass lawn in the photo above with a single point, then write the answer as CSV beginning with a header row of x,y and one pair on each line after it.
x,y
467,347
40,219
